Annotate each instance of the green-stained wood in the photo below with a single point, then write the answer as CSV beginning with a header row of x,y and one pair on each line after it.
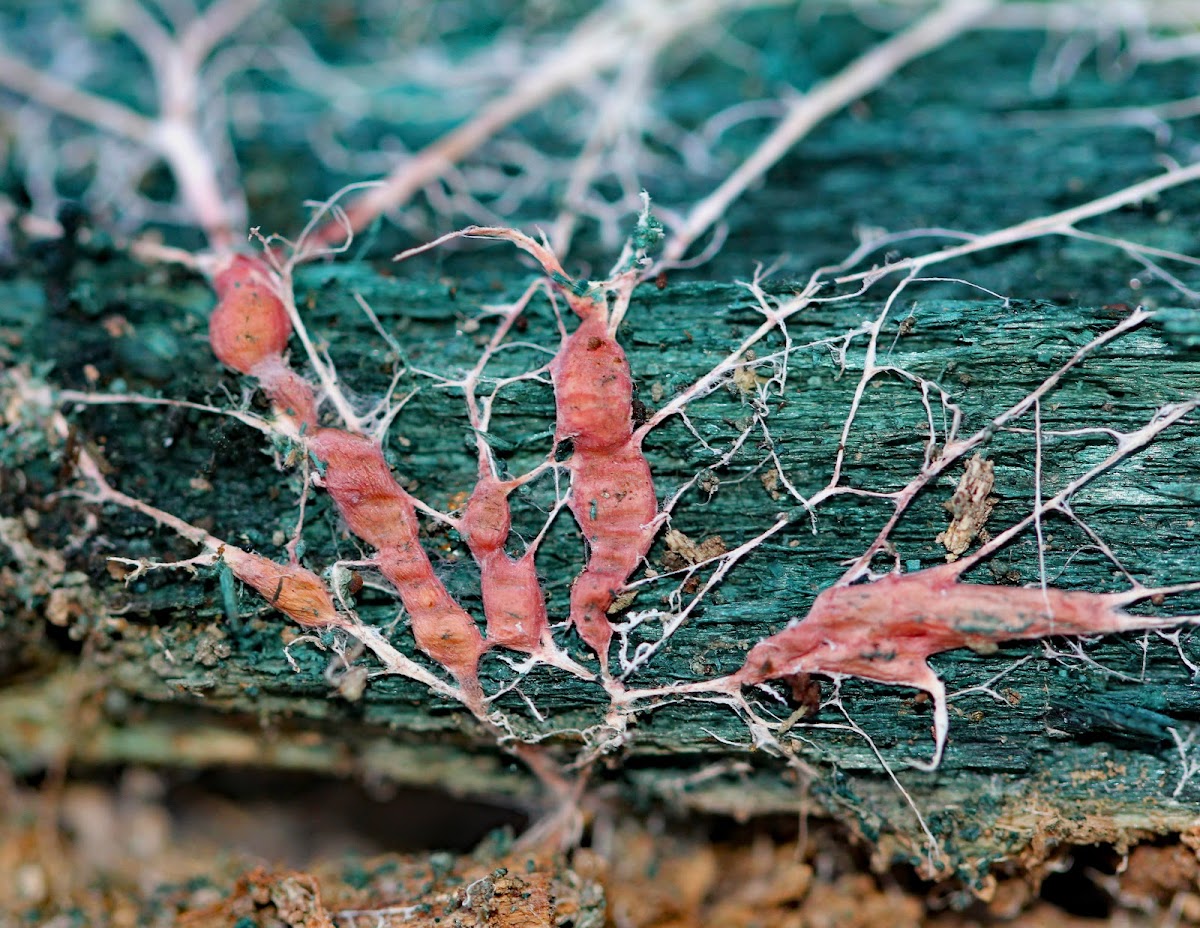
x,y
194,671
1088,747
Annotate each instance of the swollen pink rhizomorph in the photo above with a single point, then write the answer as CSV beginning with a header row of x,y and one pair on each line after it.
x,y
884,630
888,629
513,602
248,331
612,492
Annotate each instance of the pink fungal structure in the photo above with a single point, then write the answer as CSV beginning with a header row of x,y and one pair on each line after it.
x,y
887,630
513,601
883,630
381,513
295,591
248,331
612,493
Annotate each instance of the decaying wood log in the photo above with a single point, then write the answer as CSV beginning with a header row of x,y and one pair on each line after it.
x,y
1038,730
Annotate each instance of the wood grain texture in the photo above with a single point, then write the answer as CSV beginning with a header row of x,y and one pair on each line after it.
x,y
1088,746
1074,751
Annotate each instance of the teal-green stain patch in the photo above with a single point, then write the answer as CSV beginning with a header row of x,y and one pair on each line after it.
x,y
228,585
356,875
646,235
1180,325
1098,716
579,288
984,623
1189,492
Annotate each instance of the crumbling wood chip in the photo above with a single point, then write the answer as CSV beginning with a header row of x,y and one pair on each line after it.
x,y
969,507
515,890
746,379
770,482
683,552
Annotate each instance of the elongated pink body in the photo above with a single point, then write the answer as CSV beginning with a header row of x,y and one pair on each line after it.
x,y
249,331
612,492
881,630
293,590
593,391
381,513
887,630
612,499
512,597
250,324
513,602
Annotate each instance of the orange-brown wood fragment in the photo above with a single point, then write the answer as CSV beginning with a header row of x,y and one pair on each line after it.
x,y
969,507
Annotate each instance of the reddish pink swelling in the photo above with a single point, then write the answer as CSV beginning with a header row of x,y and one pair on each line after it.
x,y
294,591
593,392
381,513
441,628
249,331
883,630
512,597
591,595
888,629
487,519
612,498
375,507
250,324
612,493
513,602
